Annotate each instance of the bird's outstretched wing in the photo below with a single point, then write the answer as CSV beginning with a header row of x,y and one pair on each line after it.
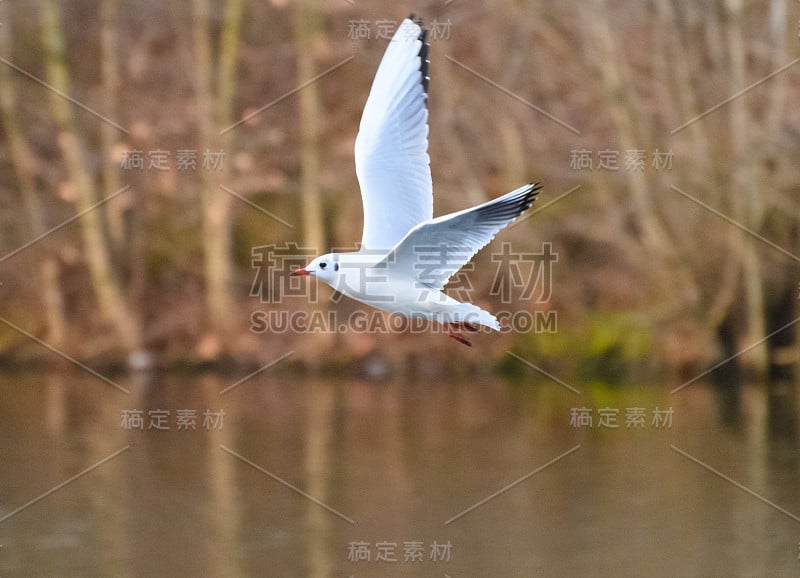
x,y
433,251
391,151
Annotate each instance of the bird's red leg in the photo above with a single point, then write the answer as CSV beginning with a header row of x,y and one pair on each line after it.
x,y
458,337
467,327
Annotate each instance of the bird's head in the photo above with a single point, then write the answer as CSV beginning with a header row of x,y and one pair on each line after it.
x,y
324,267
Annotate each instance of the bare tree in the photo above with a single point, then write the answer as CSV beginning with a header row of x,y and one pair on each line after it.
x,y
109,135
23,160
307,36
215,110
624,107
110,295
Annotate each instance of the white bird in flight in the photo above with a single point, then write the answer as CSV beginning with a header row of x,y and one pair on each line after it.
x,y
406,256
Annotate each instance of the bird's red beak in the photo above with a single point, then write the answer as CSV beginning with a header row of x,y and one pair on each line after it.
x,y
299,272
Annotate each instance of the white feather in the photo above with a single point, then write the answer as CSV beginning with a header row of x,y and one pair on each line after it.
x,y
391,151
434,250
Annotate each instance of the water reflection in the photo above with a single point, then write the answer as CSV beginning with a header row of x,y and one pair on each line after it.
x,y
399,460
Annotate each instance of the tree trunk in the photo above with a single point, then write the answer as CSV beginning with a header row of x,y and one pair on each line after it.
x,y
783,350
108,291
683,60
215,205
624,112
226,69
746,196
307,33
308,36
115,212
21,158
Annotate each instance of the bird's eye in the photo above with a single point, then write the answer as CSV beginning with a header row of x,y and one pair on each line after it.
x,y
323,265
336,266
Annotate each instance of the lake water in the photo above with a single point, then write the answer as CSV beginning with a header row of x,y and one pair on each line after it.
x,y
298,477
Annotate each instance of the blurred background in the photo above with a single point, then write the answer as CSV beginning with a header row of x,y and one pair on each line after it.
x,y
163,166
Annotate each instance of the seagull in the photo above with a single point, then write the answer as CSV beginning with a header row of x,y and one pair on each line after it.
x,y
406,256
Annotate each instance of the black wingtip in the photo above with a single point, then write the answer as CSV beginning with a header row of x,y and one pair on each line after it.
x,y
532,194
535,189
510,206
423,51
